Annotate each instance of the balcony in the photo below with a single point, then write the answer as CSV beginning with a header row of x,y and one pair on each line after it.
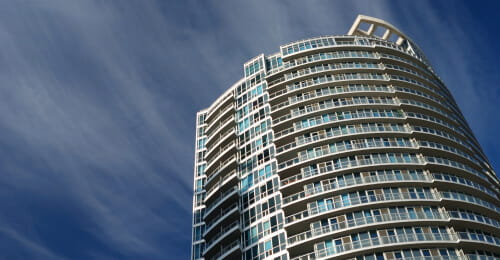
x,y
312,109
229,232
230,179
219,126
338,149
221,112
360,200
353,182
230,251
221,168
222,218
384,241
222,199
227,150
311,175
220,139
302,141
211,181
299,242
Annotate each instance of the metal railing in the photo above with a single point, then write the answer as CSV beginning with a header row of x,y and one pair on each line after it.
x,y
363,199
350,164
356,181
342,132
365,220
343,148
378,241
220,234
219,199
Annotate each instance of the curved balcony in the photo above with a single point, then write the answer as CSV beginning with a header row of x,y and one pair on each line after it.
x,y
378,102
292,51
228,180
324,80
339,186
293,164
406,92
225,216
301,241
450,178
228,233
222,154
413,117
399,60
214,117
220,139
433,148
220,126
222,167
220,201
357,130
398,241
403,197
444,164
220,102
484,206
469,240
351,165
416,75
362,115
438,136
333,92
321,57
463,219
324,68
231,251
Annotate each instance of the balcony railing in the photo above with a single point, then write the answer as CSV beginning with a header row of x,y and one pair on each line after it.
x,y
356,181
233,245
214,130
219,199
366,220
333,104
349,164
219,217
220,182
342,132
378,241
221,150
363,199
221,233
220,167
346,147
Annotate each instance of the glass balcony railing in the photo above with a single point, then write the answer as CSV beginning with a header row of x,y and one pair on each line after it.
x,y
366,220
350,164
356,181
378,241
220,199
227,229
363,199
344,132
220,217
333,104
232,246
221,151
346,147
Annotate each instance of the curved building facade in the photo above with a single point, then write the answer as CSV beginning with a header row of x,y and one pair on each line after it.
x,y
342,147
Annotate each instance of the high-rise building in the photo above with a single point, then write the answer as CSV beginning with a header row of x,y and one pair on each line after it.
x,y
342,147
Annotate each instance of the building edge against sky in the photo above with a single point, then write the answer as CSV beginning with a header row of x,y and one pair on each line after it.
x,y
345,147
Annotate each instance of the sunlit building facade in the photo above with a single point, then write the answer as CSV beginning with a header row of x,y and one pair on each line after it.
x,y
342,147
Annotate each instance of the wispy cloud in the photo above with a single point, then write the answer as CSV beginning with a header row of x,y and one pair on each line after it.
x,y
97,105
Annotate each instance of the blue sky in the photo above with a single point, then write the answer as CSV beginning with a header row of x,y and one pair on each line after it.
x,y
98,103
